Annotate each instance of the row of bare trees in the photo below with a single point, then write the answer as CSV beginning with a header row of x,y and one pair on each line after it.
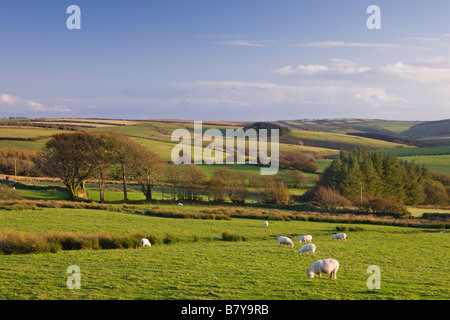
x,y
190,183
77,157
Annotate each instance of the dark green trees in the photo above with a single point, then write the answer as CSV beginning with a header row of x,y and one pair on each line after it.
x,y
361,174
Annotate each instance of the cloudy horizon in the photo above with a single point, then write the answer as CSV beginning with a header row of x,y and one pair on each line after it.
x,y
225,60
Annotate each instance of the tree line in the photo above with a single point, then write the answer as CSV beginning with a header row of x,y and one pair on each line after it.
x,y
78,157
371,179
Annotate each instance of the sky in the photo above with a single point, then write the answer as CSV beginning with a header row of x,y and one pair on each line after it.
x,y
249,60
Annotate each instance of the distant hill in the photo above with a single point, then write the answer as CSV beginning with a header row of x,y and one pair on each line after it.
x,y
428,129
314,139
372,126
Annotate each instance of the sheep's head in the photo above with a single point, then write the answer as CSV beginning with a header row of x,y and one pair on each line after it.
x,y
310,273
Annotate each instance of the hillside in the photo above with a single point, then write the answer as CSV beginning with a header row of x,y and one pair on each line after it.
x,y
159,132
434,132
387,127
317,138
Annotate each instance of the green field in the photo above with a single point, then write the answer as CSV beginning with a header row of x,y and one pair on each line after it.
x,y
426,151
202,266
26,132
211,268
436,163
157,136
388,127
22,145
418,212
338,140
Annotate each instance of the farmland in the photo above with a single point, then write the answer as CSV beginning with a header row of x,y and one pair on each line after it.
x,y
191,259
439,163
158,134
203,266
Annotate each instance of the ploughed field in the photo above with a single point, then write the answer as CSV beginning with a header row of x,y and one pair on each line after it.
x,y
200,264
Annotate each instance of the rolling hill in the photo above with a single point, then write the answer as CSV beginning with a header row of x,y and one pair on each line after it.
x,y
156,135
321,138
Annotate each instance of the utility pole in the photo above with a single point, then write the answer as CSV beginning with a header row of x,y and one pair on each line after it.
x,y
15,170
361,199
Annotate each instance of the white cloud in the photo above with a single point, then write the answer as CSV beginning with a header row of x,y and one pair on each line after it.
x,y
301,70
59,109
8,99
434,70
342,87
418,73
9,103
354,44
257,94
335,44
245,43
339,66
35,106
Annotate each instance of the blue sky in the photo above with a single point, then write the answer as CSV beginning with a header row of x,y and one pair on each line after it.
x,y
225,60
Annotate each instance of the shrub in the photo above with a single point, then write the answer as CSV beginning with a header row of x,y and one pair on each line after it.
x,y
330,198
226,236
12,242
341,228
386,206
127,242
272,191
171,239
345,228
68,241
7,193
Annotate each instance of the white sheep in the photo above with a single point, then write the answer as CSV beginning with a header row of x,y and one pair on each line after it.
x,y
306,238
286,241
339,236
180,204
145,243
323,266
308,248
266,224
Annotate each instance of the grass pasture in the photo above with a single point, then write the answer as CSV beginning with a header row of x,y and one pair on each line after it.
x,y
439,163
22,144
337,140
26,132
410,152
354,125
203,266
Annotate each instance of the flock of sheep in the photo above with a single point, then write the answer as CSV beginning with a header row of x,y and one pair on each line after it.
x,y
328,266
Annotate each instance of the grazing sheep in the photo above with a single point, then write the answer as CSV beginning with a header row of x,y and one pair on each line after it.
x,y
180,204
308,248
145,243
340,236
323,266
266,224
286,241
307,238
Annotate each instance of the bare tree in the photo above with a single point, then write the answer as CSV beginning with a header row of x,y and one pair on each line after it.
x,y
146,167
122,156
